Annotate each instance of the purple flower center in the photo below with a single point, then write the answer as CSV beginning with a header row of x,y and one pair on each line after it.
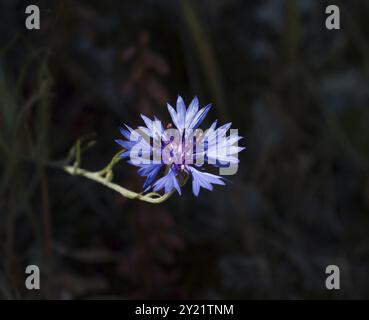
x,y
178,152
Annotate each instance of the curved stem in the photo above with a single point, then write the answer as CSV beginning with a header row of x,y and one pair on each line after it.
x,y
97,176
105,176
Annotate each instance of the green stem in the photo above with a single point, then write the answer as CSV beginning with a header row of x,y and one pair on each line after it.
x,y
97,177
105,176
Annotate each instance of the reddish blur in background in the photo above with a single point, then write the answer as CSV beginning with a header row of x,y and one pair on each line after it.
x,y
297,92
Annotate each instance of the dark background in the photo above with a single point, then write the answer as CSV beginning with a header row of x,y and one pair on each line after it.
x,y
297,92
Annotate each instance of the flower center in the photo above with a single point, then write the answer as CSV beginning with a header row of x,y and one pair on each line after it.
x,y
177,153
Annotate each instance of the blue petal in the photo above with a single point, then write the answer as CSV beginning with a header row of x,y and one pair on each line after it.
x,y
191,111
195,187
181,112
161,125
204,180
149,181
124,154
151,174
147,121
126,144
213,125
199,117
225,127
144,171
173,115
167,183
125,133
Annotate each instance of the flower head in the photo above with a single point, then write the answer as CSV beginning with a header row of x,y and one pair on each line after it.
x,y
180,151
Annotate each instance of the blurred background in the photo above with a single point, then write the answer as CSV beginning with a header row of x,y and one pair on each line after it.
x,y
297,92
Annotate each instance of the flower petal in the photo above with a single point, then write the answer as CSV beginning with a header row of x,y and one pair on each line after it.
x,y
151,172
126,144
191,111
203,179
168,182
199,117
147,121
125,133
181,112
173,115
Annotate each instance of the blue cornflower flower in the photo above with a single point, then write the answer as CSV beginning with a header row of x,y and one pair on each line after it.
x,y
176,152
